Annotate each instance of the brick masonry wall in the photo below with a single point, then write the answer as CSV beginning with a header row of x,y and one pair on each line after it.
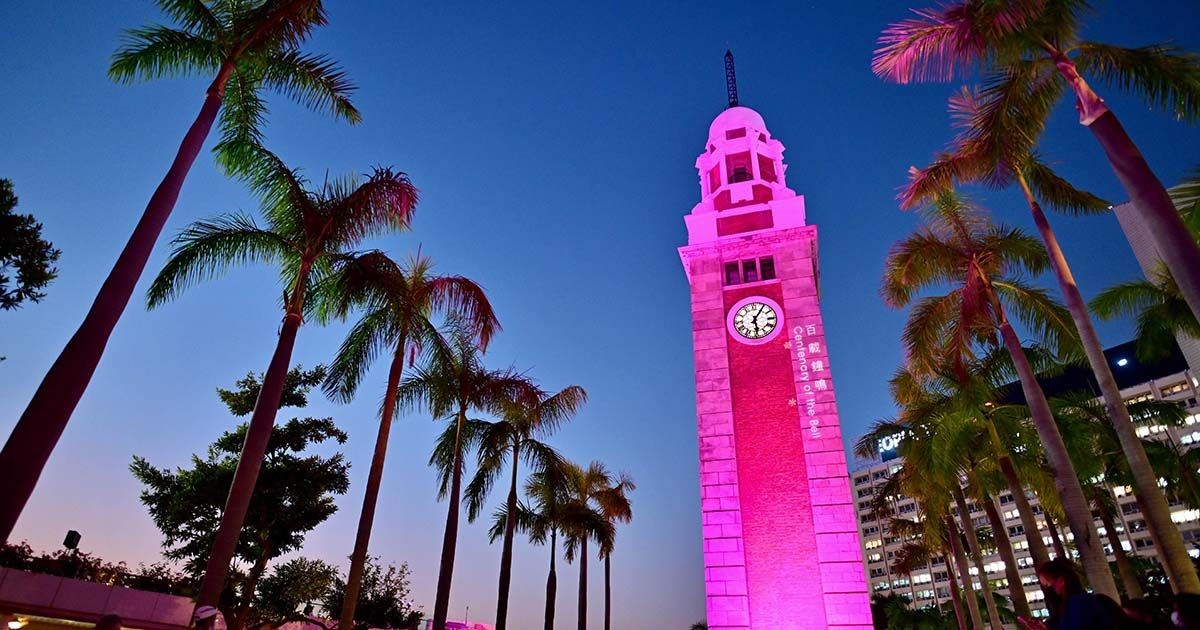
x,y
780,532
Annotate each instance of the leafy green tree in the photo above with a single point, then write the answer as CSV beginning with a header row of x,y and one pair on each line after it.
x,y
1034,46
295,495
249,47
24,253
307,233
514,439
290,588
979,264
397,303
384,600
451,383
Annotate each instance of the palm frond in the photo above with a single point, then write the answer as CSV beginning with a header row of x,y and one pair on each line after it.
x,y
938,44
314,81
1058,194
155,52
469,304
1165,75
1043,315
369,337
384,202
206,249
916,262
243,114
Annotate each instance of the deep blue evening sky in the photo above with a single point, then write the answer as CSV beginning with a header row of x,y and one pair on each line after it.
x,y
554,148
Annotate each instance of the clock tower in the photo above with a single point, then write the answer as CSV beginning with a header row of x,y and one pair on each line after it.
x,y
781,548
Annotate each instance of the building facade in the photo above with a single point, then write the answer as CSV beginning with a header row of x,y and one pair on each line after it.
x,y
780,532
1167,380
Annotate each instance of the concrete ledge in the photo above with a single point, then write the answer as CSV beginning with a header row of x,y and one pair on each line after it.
x,y
25,593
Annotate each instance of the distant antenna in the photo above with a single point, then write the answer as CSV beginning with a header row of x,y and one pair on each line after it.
x,y
730,79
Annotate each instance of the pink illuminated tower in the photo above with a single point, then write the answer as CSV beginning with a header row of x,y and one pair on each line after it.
x,y
781,547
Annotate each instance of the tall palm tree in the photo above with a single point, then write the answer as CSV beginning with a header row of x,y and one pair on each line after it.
x,y
996,147
973,387
978,261
397,303
1037,42
307,232
249,47
588,490
451,383
550,512
616,508
513,438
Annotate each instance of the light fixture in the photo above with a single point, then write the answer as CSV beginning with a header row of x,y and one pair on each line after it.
x,y
16,624
1122,362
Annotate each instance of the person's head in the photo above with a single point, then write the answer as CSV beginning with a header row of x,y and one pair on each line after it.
x,y
109,622
1187,611
206,618
1059,575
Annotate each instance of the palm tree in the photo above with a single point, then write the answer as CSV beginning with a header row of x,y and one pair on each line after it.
x,y
450,384
514,438
1036,43
307,233
616,508
398,302
550,512
250,47
588,490
996,147
960,248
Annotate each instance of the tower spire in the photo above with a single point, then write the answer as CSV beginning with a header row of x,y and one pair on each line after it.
x,y
730,79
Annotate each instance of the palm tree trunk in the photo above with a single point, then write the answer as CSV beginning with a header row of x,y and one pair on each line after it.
x,y
262,424
441,605
968,524
1129,580
1033,535
960,559
1016,590
608,592
366,518
1079,514
1147,194
251,584
45,418
1060,550
1174,553
583,558
937,600
506,556
955,596
551,582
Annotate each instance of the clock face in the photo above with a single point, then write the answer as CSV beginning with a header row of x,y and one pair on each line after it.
x,y
755,320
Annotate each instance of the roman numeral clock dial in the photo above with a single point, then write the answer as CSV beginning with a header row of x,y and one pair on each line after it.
x,y
754,320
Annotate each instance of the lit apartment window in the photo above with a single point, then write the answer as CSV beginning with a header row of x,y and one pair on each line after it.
x,y
1175,388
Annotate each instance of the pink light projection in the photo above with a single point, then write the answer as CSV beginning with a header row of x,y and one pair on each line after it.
x,y
781,546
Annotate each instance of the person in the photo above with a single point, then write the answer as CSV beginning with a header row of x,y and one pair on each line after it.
x,y
109,622
1071,607
208,618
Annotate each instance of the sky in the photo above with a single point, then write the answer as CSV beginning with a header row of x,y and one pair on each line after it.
x,y
554,147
